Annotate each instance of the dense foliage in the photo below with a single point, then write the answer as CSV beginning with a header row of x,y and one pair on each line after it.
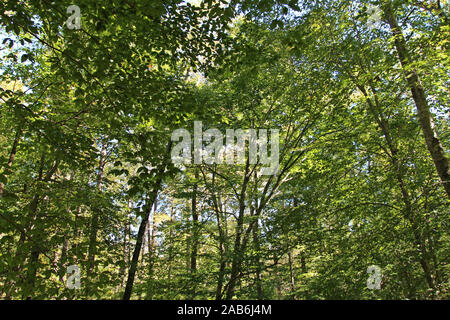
x,y
86,177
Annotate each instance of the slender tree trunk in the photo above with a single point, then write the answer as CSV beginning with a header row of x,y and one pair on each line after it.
x,y
194,228
139,240
291,274
221,274
150,231
76,232
238,250
195,234
418,93
20,255
12,155
222,250
144,242
62,260
259,292
171,245
151,200
126,235
65,246
151,251
37,239
277,279
399,172
303,263
94,220
218,210
237,255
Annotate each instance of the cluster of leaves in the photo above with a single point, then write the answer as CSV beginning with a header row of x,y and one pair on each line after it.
x,y
86,119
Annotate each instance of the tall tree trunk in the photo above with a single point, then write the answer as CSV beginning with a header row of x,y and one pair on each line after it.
x,y
37,239
139,240
222,262
12,154
76,233
291,274
170,245
94,220
126,235
65,245
151,251
151,200
62,260
195,234
194,227
399,173
238,250
218,210
277,279
259,292
418,93
303,262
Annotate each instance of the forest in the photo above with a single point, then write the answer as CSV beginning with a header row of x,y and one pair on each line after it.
x,y
224,150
